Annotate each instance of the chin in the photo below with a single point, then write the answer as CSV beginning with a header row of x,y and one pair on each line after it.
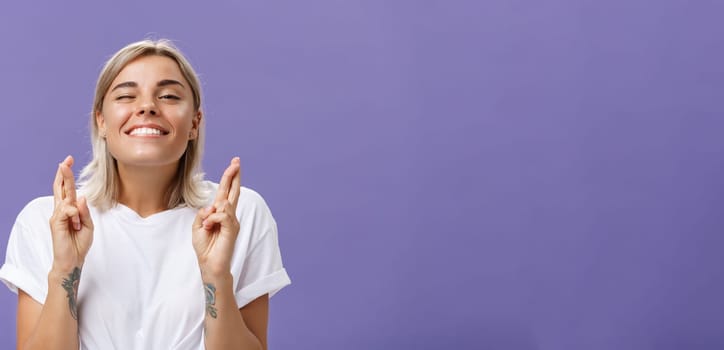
x,y
147,160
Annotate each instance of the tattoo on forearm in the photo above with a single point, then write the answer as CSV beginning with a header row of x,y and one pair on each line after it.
x,y
210,299
70,284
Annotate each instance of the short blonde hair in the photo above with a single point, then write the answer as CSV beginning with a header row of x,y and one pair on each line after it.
x,y
99,180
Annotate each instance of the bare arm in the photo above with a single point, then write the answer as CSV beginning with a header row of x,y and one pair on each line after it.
x,y
54,325
228,327
214,235
28,315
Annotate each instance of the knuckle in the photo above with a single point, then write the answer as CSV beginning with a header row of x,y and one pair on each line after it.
x,y
70,210
59,210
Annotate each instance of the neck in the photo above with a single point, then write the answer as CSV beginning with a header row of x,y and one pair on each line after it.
x,y
146,189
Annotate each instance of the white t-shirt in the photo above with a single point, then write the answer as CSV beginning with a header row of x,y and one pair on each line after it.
x,y
140,287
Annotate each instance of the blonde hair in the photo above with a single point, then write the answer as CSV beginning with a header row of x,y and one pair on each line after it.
x,y
99,180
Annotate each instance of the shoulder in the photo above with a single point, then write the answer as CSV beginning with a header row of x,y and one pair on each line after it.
x,y
32,221
37,209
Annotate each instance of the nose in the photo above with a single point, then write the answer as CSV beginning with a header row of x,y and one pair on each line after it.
x,y
147,108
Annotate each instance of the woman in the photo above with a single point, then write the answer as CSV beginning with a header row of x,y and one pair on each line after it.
x,y
147,255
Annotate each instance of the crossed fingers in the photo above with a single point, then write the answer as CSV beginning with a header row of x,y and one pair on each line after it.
x,y
227,197
229,185
64,192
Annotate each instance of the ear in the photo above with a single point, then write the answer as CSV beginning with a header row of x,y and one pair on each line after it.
x,y
100,123
195,125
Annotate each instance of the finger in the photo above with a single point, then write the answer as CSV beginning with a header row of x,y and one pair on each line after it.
x,y
58,187
84,212
75,218
235,184
68,212
225,207
69,188
223,219
58,192
68,161
201,215
226,178
68,180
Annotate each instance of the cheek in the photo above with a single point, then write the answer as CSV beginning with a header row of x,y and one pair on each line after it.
x,y
116,116
181,117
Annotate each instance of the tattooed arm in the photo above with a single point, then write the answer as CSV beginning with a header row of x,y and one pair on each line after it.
x,y
54,324
214,235
226,326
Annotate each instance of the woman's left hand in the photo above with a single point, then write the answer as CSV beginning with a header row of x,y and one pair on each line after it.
x,y
216,227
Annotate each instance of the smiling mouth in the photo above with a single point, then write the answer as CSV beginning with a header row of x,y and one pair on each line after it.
x,y
147,132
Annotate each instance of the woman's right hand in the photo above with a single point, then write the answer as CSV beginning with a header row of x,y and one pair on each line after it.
x,y
70,225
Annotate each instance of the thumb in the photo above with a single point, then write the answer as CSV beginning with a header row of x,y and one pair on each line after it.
x,y
84,212
202,214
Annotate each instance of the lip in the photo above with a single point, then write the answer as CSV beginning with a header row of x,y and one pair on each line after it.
x,y
146,125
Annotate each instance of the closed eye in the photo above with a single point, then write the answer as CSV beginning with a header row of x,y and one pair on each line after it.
x,y
170,97
124,97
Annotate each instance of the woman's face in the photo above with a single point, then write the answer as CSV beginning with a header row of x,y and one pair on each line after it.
x,y
148,113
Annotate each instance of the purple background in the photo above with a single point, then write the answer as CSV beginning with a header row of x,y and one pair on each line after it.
x,y
525,175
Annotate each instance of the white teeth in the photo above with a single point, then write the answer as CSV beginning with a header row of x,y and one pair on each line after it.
x,y
145,131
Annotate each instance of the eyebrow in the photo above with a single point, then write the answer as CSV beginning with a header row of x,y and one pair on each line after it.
x,y
167,82
133,84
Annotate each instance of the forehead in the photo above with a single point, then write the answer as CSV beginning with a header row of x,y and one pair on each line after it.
x,y
150,69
